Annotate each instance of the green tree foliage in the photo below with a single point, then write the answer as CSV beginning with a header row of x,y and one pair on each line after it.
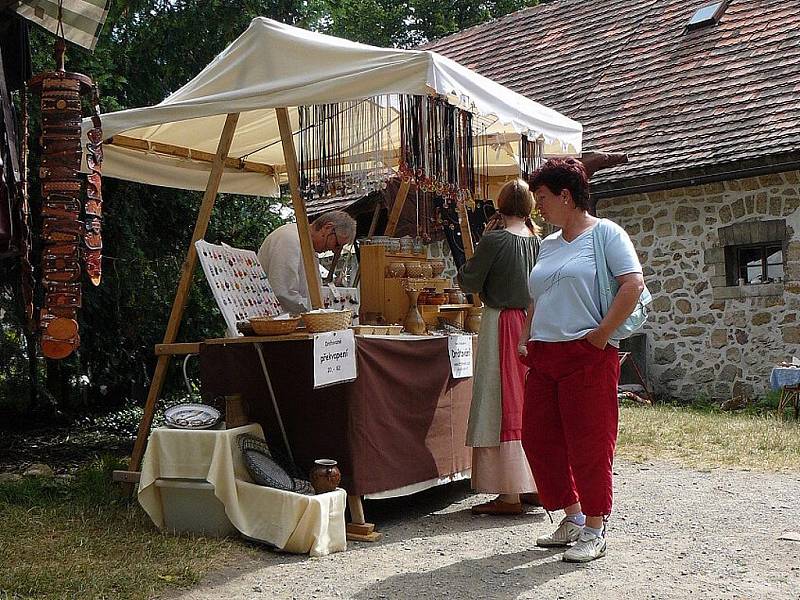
x,y
409,23
147,50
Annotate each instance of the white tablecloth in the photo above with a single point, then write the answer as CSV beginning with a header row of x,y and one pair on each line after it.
x,y
783,376
292,522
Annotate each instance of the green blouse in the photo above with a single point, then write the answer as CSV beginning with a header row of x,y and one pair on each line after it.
x,y
499,269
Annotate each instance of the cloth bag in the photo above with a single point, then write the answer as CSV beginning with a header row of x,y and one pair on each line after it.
x,y
609,287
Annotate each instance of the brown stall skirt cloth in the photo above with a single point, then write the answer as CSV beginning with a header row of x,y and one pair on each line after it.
x,y
402,421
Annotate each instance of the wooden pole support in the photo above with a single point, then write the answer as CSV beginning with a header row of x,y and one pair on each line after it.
x,y
178,305
293,173
466,239
397,207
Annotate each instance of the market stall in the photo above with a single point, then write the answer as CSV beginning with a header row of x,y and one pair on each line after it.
x,y
331,117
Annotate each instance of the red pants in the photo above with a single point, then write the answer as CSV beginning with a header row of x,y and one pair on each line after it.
x,y
569,423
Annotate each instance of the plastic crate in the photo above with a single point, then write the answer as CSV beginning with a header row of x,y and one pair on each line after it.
x,y
190,506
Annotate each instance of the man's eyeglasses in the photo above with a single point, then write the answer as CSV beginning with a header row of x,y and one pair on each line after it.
x,y
337,244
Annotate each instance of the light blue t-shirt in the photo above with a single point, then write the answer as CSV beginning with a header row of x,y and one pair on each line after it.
x,y
563,283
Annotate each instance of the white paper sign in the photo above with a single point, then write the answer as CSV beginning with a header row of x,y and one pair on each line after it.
x,y
460,349
334,357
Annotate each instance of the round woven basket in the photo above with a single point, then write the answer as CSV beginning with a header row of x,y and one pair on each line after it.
x,y
318,322
274,326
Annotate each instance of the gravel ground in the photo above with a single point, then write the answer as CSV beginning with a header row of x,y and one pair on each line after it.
x,y
675,533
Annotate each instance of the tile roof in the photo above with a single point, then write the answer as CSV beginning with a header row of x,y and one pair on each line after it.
x,y
640,83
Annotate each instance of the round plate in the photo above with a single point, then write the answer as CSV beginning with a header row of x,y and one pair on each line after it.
x,y
192,416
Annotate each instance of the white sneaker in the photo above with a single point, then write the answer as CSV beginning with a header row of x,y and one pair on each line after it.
x,y
566,533
588,548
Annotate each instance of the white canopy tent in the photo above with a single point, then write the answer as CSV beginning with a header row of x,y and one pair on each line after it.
x,y
273,65
231,129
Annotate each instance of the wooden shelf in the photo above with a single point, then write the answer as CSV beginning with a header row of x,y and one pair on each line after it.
x,y
386,296
420,257
451,306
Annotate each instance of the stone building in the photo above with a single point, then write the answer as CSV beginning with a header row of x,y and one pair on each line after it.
x,y
704,97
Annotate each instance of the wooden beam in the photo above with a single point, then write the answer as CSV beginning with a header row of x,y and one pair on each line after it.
x,y
178,349
183,152
200,227
126,476
466,239
293,173
466,232
397,207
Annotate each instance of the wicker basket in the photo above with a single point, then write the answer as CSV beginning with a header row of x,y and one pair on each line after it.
x,y
332,320
274,326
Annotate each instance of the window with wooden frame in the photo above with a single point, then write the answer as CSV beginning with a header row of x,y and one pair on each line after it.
x,y
756,263
754,252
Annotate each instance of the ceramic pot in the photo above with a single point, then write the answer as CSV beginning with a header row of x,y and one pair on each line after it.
x,y
424,295
456,296
407,244
473,322
414,324
427,270
413,269
396,269
437,267
325,475
438,298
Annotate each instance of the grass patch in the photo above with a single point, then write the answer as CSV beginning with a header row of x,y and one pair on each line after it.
x,y
704,438
79,538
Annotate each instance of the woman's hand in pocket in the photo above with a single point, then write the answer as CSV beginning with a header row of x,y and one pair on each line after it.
x,y
597,338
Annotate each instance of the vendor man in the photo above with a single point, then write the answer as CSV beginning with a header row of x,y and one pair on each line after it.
x,y
282,259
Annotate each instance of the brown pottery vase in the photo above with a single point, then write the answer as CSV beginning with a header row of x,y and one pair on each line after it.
x,y
414,324
325,475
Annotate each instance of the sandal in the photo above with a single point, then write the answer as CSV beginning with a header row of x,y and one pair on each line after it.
x,y
497,507
531,498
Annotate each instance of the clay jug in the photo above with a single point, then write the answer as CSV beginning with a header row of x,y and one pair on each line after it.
x,y
413,323
325,475
473,322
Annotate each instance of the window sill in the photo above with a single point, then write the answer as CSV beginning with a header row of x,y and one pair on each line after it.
x,y
747,291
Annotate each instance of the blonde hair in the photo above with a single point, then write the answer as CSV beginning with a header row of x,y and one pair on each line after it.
x,y
516,200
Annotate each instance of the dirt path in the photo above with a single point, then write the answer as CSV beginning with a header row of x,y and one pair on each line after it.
x,y
675,533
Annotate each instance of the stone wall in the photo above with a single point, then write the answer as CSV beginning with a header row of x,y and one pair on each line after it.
x,y
706,339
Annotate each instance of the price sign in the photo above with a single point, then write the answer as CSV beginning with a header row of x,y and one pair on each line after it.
x,y
334,357
460,349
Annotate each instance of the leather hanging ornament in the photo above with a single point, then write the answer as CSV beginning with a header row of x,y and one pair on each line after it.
x,y
69,244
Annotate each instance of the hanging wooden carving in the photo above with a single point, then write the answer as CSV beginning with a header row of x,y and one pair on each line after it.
x,y
68,241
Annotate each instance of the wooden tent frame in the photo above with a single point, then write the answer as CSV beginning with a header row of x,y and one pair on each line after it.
x,y
169,347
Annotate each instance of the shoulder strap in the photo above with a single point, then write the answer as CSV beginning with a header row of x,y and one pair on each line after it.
x,y
601,265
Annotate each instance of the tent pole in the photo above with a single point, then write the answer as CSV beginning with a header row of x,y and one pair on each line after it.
x,y
184,284
466,232
466,239
397,207
293,173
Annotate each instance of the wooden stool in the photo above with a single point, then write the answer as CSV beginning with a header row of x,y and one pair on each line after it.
x,y
623,356
790,396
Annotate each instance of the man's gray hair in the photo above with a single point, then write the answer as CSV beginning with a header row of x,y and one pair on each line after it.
x,y
345,224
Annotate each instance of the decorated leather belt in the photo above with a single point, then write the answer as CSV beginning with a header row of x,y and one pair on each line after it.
x,y
71,243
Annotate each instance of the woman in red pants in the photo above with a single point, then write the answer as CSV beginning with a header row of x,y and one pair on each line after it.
x,y
569,426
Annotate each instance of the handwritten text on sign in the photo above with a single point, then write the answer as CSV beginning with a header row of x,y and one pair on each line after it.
x,y
460,349
334,357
